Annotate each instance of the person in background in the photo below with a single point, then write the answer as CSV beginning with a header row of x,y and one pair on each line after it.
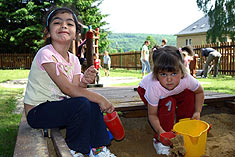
x,y
164,42
188,54
97,64
107,63
210,54
145,58
168,91
56,94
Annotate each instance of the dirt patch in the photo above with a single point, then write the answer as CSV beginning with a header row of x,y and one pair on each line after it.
x,y
139,135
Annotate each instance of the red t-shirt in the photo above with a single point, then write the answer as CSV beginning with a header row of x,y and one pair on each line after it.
x,y
97,64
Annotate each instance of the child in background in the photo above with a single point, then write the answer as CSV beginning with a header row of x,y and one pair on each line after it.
x,y
169,90
107,63
56,94
164,42
188,54
97,64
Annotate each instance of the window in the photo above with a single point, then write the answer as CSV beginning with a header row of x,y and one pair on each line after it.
x,y
188,42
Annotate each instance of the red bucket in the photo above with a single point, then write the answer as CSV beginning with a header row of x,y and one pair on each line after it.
x,y
114,125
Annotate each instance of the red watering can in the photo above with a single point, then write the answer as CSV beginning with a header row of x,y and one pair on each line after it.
x,y
114,125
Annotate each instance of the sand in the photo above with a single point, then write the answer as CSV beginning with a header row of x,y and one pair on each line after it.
x,y
139,135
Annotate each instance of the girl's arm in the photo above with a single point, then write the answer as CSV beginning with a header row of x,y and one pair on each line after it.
x,y
73,90
153,118
87,78
199,100
144,55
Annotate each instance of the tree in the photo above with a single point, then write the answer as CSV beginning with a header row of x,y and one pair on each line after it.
x,y
20,26
22,22
152,41
221,18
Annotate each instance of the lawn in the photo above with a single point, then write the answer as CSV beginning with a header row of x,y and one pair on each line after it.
x,y
6,75
9,121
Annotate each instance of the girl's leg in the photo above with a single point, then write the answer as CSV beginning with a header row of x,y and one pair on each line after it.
x,y
75,114
185,102
99,133
141,92
166,113
98,77
166,110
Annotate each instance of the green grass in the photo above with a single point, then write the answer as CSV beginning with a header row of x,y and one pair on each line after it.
x,y
6,75
222,84
9,122
123,73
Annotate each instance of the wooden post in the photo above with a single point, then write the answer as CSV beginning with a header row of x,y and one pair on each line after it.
x,y
96,40
89,50
83,33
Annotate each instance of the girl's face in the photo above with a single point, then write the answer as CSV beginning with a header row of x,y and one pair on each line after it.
x,y
62,28
169,80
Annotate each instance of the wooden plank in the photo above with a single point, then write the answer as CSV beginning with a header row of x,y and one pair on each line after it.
x,y
231,104
61,148
127,99
30,142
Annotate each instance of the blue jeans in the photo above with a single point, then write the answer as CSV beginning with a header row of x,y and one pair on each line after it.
x,y
145,65
82,119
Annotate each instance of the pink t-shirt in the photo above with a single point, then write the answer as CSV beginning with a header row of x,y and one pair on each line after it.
x,y
154,91
40,86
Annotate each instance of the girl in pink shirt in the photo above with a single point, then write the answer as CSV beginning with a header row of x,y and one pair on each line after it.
x,y
188,54
169,90
56,94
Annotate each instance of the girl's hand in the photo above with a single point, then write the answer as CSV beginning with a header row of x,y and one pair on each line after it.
x,y
106,106
196,115
89,75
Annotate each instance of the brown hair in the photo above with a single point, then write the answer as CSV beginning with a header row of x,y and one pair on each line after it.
x,y
189,50
169,59
164,41
54,12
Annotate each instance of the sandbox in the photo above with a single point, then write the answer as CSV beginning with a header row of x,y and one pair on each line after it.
x,y
139,135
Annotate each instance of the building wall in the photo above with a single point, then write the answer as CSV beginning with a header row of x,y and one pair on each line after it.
x,y
196,39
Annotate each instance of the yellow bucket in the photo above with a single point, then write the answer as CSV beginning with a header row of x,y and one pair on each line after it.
x,y
195,136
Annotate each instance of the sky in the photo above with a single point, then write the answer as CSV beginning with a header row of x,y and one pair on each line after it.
x,y
150,16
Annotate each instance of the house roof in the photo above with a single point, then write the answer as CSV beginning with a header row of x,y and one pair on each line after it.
x,y
200,26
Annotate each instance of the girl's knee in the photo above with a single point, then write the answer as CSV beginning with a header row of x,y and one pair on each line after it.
x,y
80,104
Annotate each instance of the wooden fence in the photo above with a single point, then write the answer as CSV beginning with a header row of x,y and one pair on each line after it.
x,y
131,60
227,60
15,61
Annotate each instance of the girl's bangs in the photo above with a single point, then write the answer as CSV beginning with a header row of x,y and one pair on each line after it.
x,y
168,64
